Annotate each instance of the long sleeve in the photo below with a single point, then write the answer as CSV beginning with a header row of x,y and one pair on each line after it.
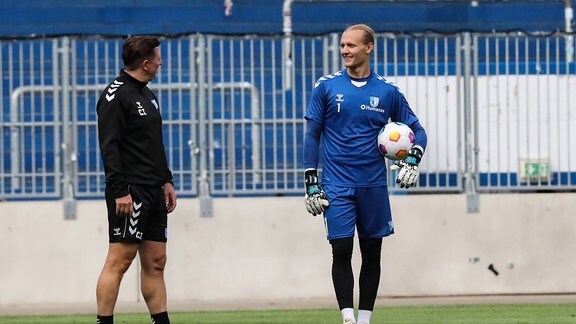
x,y
111,125
312,144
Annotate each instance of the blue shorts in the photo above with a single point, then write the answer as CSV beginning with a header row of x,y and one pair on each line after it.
x,y
366,209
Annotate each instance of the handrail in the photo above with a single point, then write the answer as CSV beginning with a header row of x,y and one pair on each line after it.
x,y
20,91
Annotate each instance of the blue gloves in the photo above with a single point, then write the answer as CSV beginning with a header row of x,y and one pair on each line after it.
x,y
408,174
315,199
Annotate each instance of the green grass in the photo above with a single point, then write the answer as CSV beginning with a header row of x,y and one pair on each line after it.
x,y
498,314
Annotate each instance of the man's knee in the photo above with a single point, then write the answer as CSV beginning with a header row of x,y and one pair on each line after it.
x,y
119,265
159,262
120,258
155,263
371,249
342,249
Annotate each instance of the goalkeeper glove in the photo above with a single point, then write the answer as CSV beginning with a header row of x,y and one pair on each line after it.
x,y
408,174
315,199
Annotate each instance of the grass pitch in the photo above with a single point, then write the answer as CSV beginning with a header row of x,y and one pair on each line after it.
x,y
497,314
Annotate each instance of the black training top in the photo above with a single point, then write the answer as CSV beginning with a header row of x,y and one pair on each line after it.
x,y
130,134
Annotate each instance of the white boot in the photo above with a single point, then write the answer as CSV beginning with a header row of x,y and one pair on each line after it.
x,y
364,316
348,316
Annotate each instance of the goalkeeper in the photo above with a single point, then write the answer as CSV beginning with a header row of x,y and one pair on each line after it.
x,y
347,109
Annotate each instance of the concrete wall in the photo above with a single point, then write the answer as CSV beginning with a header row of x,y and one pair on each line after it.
x,y
270,248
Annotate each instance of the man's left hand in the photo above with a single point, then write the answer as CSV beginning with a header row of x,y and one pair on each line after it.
x,y
169,197
408,174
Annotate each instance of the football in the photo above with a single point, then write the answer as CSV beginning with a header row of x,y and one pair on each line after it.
x,y
395,140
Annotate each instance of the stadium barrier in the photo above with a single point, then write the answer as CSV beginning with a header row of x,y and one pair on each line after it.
x,y
496,108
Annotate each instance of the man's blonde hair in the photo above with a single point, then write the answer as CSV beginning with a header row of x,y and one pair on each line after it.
x,y
368,32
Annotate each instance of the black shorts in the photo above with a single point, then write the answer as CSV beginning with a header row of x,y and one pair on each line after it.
x,y
149,219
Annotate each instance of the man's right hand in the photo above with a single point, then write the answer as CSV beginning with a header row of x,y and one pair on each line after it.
x,y
315,198
124,206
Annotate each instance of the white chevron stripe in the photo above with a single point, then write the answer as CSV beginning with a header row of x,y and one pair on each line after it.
x,y
110,97
136,214
136,206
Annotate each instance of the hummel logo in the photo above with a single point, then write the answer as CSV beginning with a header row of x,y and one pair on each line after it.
x,y
117,231
339,97
136,211
132,228
113,87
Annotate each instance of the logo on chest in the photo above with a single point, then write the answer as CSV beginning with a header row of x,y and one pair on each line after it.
x,y
141,110
374,102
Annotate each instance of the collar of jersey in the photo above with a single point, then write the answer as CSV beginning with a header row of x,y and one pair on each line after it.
x,y
137,83
361,79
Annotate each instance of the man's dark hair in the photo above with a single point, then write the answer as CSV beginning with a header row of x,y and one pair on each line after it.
x,y
136,49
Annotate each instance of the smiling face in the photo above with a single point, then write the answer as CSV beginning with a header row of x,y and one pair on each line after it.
x,y
355,51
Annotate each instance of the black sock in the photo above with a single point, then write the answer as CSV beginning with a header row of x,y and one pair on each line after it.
x,y
104,319
160,318
371,250
342,275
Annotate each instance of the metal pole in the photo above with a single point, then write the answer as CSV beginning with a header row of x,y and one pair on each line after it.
x,y
203,184
287,43
568,17
470,172
67,131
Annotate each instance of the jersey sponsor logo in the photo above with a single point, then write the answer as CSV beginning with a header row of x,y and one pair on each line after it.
x,y
370,108
112,89
141,110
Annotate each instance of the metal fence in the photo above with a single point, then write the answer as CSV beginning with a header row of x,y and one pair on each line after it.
x,y
496,108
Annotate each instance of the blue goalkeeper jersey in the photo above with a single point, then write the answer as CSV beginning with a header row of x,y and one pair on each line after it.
x,y
352,112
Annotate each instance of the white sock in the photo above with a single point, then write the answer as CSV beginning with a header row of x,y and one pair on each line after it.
x,y
364,316
348,313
